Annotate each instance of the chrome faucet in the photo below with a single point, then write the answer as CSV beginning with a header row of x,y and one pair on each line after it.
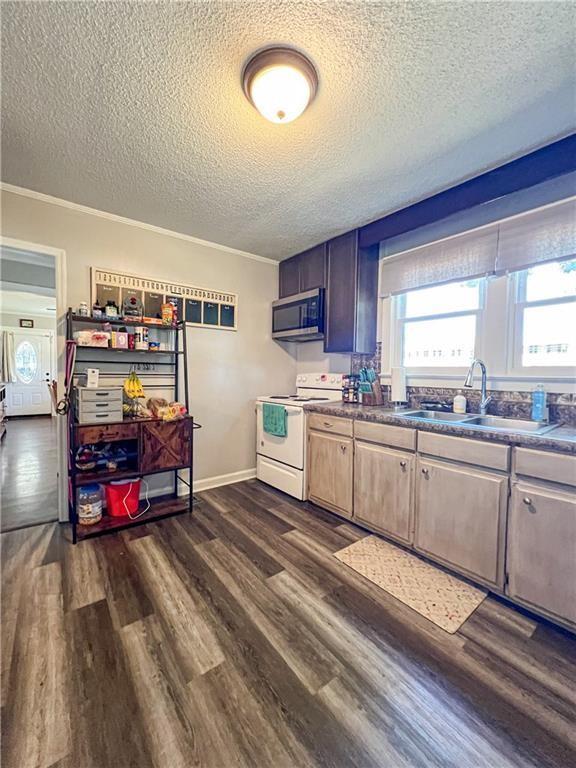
x,y
484,399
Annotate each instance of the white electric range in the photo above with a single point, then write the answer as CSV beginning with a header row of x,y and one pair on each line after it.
x,y
281,461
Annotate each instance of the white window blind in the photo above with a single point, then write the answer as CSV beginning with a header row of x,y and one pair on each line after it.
x,y
545,235
472,254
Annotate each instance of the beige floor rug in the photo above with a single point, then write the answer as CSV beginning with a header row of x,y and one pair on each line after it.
x,y
440,597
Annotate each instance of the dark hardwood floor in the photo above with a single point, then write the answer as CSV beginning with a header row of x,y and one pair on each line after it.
x,y
233,637
28,469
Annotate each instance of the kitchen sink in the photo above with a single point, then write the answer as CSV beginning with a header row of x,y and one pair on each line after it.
x,y
486,422
509,425
434,416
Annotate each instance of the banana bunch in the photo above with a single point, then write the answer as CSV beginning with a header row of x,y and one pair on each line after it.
x,y
133,387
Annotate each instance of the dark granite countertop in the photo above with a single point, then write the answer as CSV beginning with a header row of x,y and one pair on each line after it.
x,y
561,439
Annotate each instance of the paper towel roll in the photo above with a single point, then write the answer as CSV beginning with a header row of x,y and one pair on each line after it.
x,y
398,385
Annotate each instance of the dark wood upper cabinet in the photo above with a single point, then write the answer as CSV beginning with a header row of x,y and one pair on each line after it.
x,y
351,296
312,268
350,276
289,277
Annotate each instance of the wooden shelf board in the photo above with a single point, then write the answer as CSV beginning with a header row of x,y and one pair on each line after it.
x,y
128,421
156,353
161,507
128,323
84,478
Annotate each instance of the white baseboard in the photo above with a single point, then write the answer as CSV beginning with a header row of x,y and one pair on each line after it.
x,y
218,480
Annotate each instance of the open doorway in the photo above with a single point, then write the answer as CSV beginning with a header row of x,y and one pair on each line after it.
x,y
28,455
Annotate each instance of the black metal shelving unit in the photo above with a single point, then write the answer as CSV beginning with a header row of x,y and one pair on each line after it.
x,y
176,360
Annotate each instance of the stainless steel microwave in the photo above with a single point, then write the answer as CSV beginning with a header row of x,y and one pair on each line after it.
x,y
299,317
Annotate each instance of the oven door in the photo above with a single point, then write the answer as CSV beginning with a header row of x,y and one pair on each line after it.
x,y
299,317
290,449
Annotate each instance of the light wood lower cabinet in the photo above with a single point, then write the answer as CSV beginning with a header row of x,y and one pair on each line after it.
x,y
460,518
331,471
383,489
542,550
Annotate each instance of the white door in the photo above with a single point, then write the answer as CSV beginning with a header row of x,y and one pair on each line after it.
x,y
29,395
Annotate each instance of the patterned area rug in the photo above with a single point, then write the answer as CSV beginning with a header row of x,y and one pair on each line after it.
x,y
435,594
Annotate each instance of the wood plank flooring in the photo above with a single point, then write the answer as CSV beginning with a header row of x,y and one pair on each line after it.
x,y
233,638
28,469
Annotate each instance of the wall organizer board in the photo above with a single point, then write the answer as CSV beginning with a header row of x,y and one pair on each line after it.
x,y
199,307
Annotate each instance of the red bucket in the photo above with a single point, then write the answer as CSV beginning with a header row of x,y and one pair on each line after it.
x,y
122,497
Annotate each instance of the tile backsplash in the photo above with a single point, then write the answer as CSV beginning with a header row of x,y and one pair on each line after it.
x,y
562,406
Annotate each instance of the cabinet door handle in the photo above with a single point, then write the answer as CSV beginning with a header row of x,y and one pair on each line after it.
x,y
327,424
527,500
425,472
403,464
343,448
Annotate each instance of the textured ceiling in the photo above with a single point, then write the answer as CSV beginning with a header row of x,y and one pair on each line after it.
x,y
137,109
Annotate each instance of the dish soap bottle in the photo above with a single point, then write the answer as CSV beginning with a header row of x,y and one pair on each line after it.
x,y
539,409
459,403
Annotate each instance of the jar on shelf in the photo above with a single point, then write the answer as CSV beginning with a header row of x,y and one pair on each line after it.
x,y
89,504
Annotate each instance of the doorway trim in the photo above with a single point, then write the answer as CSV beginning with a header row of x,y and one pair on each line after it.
x,y
61,304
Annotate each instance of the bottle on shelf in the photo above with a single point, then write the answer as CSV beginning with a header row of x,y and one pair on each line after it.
x,y
111,309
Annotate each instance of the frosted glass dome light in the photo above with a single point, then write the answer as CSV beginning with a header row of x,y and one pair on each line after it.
x,y
280,83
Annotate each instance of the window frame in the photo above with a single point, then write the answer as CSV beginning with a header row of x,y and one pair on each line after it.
x,y
518,303
399,320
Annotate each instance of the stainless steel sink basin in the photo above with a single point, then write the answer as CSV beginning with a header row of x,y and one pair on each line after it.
x,y
485,422
434,416
509,425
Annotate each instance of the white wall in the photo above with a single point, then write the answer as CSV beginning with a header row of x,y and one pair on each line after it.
x,y
311,358
227,370
13,321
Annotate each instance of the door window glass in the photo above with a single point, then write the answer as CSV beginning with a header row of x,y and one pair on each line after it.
x,y
26,362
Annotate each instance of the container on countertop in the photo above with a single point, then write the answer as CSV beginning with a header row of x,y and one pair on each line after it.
x,y
459,403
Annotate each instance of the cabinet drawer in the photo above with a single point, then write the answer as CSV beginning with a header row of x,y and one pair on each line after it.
x,y
100,406
385,434
555,467
100,417
478,452
106,433
333,424
86,395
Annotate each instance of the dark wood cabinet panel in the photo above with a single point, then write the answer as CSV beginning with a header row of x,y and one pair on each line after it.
x,y
289,277
366,301
341,277
351,296
165,445
312,268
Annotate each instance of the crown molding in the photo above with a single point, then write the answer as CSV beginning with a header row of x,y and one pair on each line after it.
x,y
23,192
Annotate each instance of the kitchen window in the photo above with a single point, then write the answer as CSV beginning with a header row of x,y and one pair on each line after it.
x,y
438,327
545,319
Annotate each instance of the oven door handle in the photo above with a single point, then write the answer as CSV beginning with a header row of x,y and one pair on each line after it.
x,y
289,408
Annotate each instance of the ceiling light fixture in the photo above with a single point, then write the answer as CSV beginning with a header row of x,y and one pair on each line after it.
x,y
280,82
